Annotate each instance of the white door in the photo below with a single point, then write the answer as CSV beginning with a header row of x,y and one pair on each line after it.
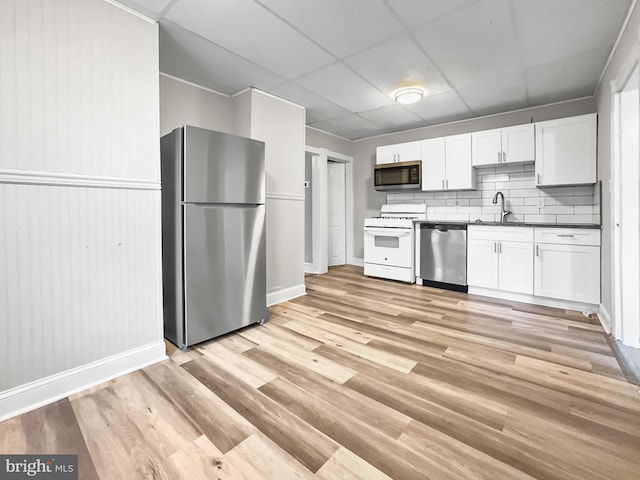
x,y
628,216
460,174
515,267
518,144
433,164
566,151
337,213
567,272
487,148
482,263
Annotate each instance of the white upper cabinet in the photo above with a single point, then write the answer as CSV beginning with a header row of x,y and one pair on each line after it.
x,y
400,152
566,151
446,163
501,146
433,164
460,175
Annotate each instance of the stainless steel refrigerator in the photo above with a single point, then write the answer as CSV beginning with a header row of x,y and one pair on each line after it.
x,y
213,234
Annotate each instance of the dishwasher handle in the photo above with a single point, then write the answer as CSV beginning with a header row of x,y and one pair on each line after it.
x,y
442,227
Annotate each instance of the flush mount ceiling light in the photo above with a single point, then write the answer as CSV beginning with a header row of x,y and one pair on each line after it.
x,y
409,95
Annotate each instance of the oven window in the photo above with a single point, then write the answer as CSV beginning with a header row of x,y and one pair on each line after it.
x,y
386,241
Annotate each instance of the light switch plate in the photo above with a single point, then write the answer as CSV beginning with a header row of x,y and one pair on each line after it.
x,y
541,203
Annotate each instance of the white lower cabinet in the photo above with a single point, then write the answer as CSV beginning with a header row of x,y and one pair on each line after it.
x,y
500,258
515,267
567,265
554,263
482,262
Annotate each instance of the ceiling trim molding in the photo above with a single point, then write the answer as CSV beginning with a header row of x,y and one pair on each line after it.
x,y
267,94
131,11
333,134
474,118
196,85
614,49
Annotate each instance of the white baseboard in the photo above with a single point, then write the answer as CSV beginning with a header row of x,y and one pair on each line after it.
x,y
285,294
535,300
41,392
605,319
358,262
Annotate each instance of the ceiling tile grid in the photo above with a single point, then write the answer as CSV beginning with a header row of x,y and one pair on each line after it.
x,y
343,59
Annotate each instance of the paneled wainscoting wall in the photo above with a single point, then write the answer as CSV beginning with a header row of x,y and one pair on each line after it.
x,y
80,279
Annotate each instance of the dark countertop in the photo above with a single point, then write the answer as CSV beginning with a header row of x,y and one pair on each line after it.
x,y
511,224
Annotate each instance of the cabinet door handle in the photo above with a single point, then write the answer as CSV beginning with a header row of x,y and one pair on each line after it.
x,y
495,247
565,235
447,181
537,251
499,247
538,179
504,157
443,183
499,157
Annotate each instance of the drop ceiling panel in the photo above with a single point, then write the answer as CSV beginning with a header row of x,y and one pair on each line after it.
x,y
420,12
351,126
474,43
444,107
342,27
394,117
318,108
191,57
249,30
500,94
341,86
575,26
567,78
397,63
339,58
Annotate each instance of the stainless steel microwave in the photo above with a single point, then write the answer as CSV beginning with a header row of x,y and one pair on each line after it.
x,y
398,176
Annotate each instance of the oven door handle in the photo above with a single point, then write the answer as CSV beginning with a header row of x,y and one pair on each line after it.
x,y
388,232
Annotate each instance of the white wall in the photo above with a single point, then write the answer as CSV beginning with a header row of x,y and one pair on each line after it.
x,y
627,53
281,125
80,288
185,104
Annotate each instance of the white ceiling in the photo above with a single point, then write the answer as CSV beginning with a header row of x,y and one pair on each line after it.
x,y
343,59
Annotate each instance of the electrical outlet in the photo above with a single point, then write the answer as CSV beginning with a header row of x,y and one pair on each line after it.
x,y
541,203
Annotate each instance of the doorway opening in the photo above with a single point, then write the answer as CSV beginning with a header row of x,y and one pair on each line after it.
x,y
328,209
626,210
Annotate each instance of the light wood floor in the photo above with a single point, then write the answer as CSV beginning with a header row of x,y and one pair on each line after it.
x,y
362,379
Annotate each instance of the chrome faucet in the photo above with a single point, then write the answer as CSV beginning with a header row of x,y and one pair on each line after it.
x,y
503,212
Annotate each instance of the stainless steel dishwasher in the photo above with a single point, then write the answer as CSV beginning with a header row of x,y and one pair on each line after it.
x,y
443,255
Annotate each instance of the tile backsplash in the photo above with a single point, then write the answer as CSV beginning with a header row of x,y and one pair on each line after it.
x,y
526,202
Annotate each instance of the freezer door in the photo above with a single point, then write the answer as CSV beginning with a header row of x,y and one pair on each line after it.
x,y
225,269
222,168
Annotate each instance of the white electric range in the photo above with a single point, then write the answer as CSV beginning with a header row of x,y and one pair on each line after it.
x,y
389,241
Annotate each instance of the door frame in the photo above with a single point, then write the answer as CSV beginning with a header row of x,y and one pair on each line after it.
x,y
340,202
320,201
617,87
